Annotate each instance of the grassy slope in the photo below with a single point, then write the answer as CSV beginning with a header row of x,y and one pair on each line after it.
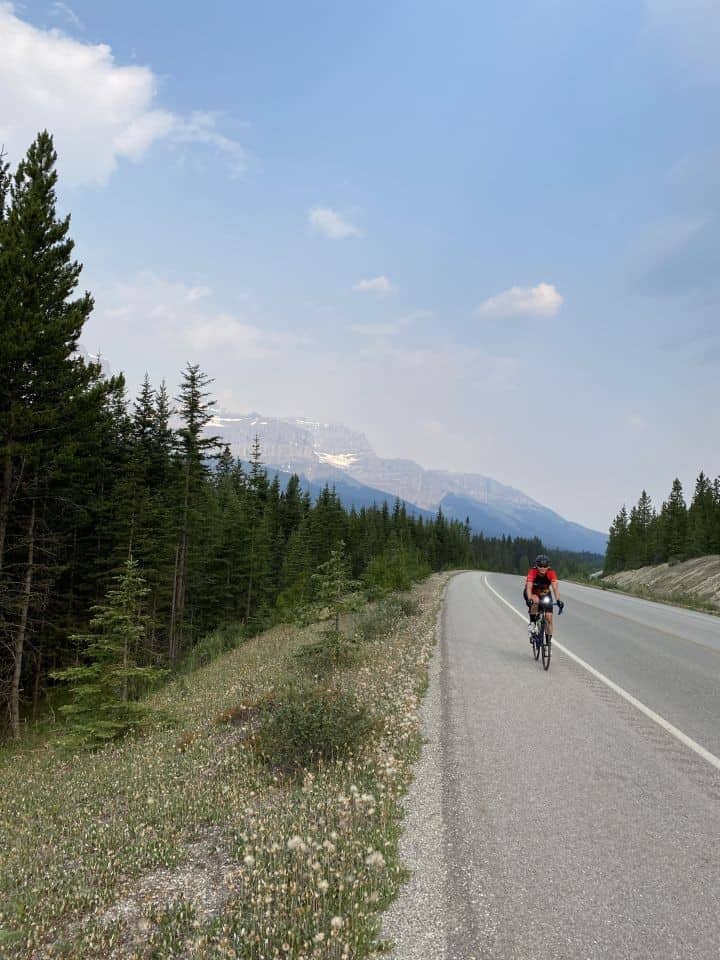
x,y
181,844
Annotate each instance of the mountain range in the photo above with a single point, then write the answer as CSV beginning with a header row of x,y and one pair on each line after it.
x,y
331,453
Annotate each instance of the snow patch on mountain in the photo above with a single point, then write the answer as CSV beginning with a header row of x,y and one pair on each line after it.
x,y
342,460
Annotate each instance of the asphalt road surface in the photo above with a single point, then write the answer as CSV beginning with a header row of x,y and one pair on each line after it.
x,y
556,817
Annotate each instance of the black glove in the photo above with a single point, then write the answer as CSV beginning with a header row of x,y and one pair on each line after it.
x,y
561,606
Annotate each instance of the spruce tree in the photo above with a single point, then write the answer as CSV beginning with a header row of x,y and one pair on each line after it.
x,y
335,590
44,386
196,450
106,691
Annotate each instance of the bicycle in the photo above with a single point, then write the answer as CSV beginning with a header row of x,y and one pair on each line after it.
x,y
541,642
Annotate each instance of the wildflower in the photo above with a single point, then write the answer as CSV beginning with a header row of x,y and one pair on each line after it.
x,y
336,923
296,843
249,861
323,886
319,937
375,859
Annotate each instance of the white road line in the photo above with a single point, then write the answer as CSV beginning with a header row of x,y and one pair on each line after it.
x,y
655,717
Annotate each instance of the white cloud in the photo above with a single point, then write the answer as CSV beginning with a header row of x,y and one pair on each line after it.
x,y
155,315
329,223
690,29
226,332
198,293
637,422
380,286
99,112
542,300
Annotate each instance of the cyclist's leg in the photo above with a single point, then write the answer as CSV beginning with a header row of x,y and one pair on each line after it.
x,y
534,607
549,624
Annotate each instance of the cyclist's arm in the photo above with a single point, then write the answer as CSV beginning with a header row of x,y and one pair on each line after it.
x,y
555,587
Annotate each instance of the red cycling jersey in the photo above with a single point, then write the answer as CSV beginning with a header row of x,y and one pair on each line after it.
x,y
540,582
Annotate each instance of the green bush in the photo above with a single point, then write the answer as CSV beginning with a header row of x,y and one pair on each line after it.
x,y
396,568
213,645
385,616
309,723
409,607
331,652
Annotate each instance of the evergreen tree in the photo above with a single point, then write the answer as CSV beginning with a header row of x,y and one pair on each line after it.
x,y
105,691
335,590
196,449
44,387
700,518
674,524
617,554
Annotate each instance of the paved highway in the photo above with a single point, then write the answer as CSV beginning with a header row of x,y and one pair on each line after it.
x,y
551,818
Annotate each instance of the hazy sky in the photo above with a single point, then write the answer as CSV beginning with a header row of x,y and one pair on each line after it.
x,y
485,234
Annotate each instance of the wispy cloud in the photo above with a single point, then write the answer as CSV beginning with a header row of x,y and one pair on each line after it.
x,y
329,223
202,127
391,328
60,9
153,310
380,286
543,300
98,111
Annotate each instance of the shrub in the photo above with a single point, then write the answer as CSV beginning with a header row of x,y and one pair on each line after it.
x,y
213,645
331,652
409,607
394,569
309,723
385,616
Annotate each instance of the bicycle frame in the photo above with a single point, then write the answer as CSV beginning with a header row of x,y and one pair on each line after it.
x,y
541,641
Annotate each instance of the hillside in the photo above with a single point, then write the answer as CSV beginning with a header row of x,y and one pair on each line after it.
x,y
696,581
188,842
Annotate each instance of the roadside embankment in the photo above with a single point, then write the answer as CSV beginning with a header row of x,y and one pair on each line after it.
x,y
693,582
203,838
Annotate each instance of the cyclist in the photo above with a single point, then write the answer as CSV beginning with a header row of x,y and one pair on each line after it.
x,y
541,580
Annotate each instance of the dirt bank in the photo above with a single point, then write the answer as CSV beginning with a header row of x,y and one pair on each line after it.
x,y
695,581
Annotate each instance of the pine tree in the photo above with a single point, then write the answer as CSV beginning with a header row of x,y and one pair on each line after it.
x,y
45,388
335,591
616,557
674,523
700,518
105,691
196,450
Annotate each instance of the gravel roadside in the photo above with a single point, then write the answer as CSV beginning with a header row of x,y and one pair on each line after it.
x,y
417,921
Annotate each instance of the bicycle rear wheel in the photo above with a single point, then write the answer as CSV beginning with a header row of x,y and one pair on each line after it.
x,y
546,652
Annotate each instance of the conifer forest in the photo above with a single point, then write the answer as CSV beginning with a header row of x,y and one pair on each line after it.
x,y
673,533
127,512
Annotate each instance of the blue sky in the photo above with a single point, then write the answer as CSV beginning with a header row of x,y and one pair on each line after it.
x,y
486,234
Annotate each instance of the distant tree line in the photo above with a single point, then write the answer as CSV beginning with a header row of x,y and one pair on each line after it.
x,y
127,532
673,533
516,555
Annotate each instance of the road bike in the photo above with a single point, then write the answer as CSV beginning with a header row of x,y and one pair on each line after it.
x,y
542,646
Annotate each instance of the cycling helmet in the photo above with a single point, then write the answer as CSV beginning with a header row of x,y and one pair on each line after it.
x,y
542,561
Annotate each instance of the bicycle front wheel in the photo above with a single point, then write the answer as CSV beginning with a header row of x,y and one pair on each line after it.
x,y
546,652
537,643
